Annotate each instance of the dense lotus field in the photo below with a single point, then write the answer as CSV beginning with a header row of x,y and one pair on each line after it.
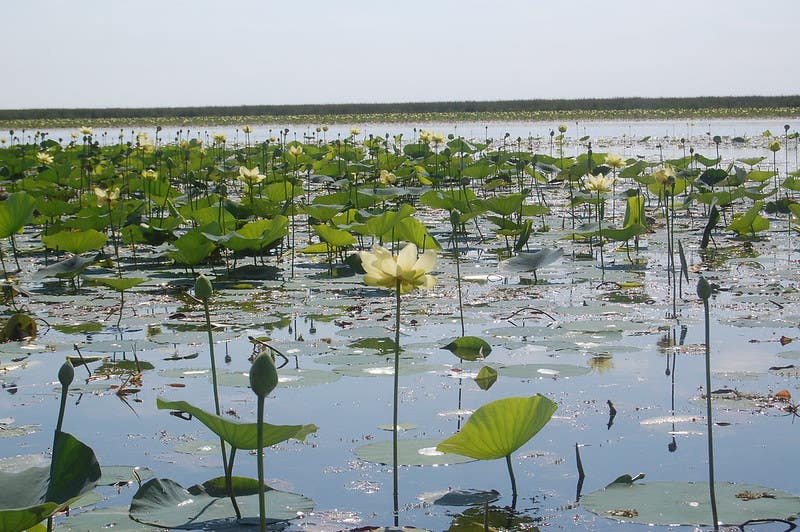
x,y
348,331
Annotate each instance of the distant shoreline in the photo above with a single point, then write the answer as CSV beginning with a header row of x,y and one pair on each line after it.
x,y
420,112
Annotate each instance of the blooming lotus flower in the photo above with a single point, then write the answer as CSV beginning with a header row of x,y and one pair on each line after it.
x,y
425,136
44,158
251,176
664,175
599,183
406,268
774,146
295,151
615,161
387,178
247,129
355,131
437,138
219,138
106,198
85,130
74,135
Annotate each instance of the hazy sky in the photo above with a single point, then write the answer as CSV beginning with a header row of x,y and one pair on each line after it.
x,y
110,53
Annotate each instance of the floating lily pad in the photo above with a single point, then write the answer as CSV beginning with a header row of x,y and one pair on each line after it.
x,y
469,347
466,497
412,452
287,378
165,503
538,371
687,503
198,447
400,426
117,475
9,431
114,518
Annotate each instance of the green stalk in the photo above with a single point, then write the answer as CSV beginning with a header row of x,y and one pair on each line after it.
x,y
262,506
395,492
703,291
228,485
511,476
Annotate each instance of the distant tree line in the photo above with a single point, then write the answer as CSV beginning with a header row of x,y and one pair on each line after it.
x,y
500,106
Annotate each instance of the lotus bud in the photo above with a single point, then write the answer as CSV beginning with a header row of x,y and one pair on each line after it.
x,y
774,146
562,128
263,375
203,288
66,374
703,289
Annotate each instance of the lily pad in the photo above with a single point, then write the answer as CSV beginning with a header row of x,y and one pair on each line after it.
x,y
165,503
412,452
291,378
538,371
469,348
467,497
687,503
114,518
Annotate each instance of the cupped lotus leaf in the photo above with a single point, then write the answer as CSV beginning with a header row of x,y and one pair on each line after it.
x,y
336,238
18,327
165,503
412,230
486,377
192,248
499,428
759,176
751,222
469,348
528,261
117,283
502,205
253,236
15,212
712,176
66,269
379,226
33,495
687,503
75,241
239,435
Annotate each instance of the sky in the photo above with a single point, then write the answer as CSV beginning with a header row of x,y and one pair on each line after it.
x,y
173,53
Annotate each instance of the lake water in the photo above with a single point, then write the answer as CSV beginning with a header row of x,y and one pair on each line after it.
x,y
578,337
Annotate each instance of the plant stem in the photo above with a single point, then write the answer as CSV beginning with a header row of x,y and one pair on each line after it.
x,y
228,486
511,476
395,492
709,423
262,507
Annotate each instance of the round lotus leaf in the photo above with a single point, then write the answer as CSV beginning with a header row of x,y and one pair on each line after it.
x,y
411,452
466,497
114,518
538,371
688,503
287,378
198,447
165,503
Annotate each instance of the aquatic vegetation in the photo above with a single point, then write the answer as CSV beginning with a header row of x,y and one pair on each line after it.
x,y
305,233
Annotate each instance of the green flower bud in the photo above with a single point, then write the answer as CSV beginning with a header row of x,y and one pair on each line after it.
x,y
202,287
66,374
774,146
263,375
703,289
562,128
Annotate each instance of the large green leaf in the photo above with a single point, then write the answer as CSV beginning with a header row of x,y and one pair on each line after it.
x,y
120,284
334,237
192,248
751,222
15,212
499,428
687,503
469,347
32,495
75,241
165,503
239,435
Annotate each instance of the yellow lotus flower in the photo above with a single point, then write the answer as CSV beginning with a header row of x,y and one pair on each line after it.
x,y
251,176
355,131
150,174
425,136
85,130
247,130
219,138
74,135
599,183
44,158
106,198
295,151
437,138
406,268
774,146
615,161
664,176
387,178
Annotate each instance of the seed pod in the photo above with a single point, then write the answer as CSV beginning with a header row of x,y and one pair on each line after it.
x,y
703,289
263,375
202,287
66,374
